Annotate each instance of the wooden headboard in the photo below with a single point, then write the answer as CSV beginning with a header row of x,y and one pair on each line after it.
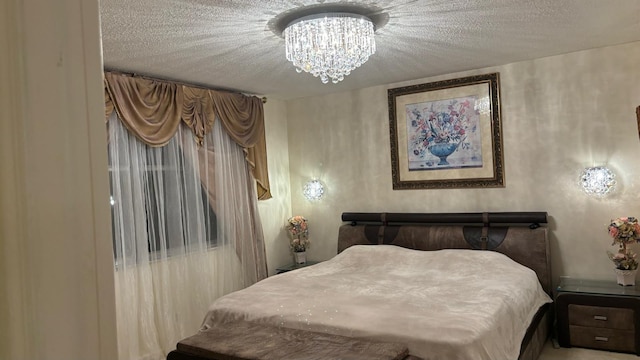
x,y
519,235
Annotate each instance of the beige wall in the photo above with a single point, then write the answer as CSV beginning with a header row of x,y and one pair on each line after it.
x,y
560,114
56,266
275,211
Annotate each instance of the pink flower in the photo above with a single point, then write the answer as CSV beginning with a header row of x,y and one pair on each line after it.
x,y
298,232
624,231
613,231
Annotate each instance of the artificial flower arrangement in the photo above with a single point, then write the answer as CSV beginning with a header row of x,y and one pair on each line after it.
x,y
624,231
299,233
440,126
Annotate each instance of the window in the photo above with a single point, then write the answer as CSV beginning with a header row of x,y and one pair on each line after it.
x,y
164,184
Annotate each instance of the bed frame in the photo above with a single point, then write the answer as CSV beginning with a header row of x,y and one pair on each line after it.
x,y
519,235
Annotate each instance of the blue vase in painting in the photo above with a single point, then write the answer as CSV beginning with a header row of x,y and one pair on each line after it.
x,y
443,150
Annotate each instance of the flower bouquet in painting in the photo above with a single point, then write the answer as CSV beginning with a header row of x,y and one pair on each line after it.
x,y
437,129
299,237
624,231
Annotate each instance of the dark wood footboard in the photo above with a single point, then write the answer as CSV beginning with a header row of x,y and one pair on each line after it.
x,y
177,355
247,340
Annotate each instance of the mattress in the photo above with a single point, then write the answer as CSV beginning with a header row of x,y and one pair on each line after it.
x,y
445,304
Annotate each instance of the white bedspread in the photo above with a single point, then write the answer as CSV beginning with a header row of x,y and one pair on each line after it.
x,y
447,304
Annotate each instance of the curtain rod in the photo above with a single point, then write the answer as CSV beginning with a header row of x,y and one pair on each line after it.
x,y
263,98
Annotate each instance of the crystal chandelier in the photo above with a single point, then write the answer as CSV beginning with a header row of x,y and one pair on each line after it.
x,y
329,45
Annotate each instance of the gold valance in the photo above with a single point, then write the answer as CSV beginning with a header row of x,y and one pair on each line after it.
x,y
152,110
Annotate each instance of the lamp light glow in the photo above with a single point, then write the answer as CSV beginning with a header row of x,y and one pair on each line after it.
x,y
313,190
597,181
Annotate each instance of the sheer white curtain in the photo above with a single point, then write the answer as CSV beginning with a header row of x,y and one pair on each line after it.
x,y
184,234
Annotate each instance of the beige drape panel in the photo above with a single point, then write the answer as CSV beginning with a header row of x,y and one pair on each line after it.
x,y
243,118
108,104
197,112
149,109
152,109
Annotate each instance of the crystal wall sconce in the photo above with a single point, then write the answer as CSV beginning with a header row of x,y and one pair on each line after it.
x,y
313,190
597,181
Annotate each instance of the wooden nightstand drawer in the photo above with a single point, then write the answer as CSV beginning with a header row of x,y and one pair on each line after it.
x,y
601,338
598,314
601,317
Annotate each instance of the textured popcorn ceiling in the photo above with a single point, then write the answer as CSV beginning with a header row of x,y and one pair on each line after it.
x,y
230,44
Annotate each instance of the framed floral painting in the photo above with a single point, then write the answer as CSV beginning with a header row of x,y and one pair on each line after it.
x,y
447,134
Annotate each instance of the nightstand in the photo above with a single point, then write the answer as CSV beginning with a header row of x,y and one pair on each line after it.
x,y
599,315
290,267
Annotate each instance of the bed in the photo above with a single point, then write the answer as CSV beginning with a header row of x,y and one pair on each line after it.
x,y
426,284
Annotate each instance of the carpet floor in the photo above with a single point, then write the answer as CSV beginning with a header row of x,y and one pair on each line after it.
x,y
551,353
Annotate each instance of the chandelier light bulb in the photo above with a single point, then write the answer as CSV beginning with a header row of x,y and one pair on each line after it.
x,y
329,45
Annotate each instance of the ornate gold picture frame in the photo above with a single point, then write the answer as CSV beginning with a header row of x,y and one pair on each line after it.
x,y
447,134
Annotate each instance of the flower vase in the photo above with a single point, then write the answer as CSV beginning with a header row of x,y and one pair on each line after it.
x,y
626,277
442,151
300,256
